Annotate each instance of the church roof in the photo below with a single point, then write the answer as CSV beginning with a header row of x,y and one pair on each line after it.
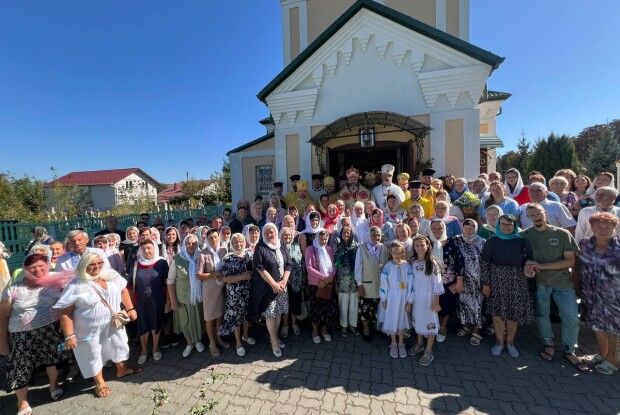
x,y
251,143
489,95
402,19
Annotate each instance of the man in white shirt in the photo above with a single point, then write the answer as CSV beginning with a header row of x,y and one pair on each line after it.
x,y
605,198
557,214
381,192
78,243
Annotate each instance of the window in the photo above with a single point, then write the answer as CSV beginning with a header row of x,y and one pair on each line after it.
x,y
128,184
264,181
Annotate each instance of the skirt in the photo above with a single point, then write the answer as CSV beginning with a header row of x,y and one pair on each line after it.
x,y
294,301
32,349
188,320
322,312
236,308
368,308
448,300
277,306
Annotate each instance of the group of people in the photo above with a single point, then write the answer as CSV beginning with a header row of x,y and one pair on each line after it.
x,y
491,253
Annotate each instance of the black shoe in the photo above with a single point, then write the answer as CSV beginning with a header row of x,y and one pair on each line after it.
x,y
166,343
366,337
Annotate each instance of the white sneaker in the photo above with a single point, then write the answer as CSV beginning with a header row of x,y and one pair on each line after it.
x,y
241,351
187,351
142,359
282,345
277,353
249,340
316,339
157,356
327,337
200,347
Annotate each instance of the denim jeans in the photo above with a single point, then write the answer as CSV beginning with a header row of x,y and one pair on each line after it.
x,y
566,301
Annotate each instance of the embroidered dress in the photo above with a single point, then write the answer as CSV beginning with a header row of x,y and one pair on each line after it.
x,y
149,295
396,290
296,280
425,287
469,309
600,286
237,294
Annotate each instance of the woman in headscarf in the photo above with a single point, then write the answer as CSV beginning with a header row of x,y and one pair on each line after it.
x,y
460,187
256,214
251,233
376,219
417,211
114,258
185,292
86,304
491,217
156,237
236,272
469,307
39,236
359,222
447,253
271,215
269,296
393,213
505,284
331,219
148,283
453,227
453,210
296,280
321,271
514,188
129,247
275,202
208,272
313,226
201,233
497,197
346,287
29,329
225,235
18,273
403,235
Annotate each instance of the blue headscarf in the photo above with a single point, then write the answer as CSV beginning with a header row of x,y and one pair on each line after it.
x,y
515,231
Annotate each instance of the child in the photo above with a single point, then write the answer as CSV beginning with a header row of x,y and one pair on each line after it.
x,y
396,293
427,288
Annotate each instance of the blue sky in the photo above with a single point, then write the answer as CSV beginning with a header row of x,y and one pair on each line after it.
x,y
171,86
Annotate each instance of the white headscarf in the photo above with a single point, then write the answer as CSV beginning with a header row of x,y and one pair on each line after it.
x,y
246,235
486,225
518,187
309,229
325,262
437,243
195,286
213,252
106,274
275,245
148,262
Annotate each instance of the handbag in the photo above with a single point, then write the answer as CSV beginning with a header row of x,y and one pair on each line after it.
x,y
325,292
117,320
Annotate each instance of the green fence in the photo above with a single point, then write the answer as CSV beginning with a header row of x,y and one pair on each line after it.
x,y
17,235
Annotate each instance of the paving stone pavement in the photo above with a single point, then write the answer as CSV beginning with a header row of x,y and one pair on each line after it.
x,y
346,376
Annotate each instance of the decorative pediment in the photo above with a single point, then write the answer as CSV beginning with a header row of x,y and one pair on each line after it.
x,y
437,68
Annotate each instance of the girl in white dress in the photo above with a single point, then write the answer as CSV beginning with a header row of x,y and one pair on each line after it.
x,y
85,320
396,294
427,288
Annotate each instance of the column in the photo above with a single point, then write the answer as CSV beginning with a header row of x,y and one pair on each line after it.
x,y
471,141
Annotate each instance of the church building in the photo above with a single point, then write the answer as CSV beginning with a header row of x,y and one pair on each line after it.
x,y
367,83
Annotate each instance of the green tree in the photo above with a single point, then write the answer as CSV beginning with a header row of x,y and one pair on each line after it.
x,y
603,154
552,154
516,159
587,138
70,200
11,207
31,194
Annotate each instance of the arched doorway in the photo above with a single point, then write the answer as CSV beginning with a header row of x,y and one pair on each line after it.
x,y
369,139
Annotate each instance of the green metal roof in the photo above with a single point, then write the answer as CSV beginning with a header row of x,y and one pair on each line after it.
x,y
251,143
490,141
488,95
402,19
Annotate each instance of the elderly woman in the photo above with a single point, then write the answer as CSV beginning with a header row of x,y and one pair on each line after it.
x,y
359,221
86,305
497,196
185,292
460,187
271,271
376,219
453,226
599,260
561,187
452,263
453,209
256,214
403,235
129,246
504,283
469,307
208,272
148,281
493,213
236,272
417,211
251,233
29,329
296,281
346,249
321,272
44,250
330,222
114,257
513,185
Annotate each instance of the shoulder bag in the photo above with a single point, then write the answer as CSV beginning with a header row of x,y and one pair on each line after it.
x,y
117,320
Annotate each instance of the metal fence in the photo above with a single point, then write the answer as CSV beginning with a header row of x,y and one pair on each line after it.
x,y
17,235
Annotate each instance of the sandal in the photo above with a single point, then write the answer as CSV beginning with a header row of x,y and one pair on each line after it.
x,y
606,368
26,411
56,393
475,339
215,352
546,355
102,391
574,360
463,331
426,359
132,371
417,349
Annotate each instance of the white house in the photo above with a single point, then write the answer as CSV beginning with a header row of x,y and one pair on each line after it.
x,y
108,188
372,82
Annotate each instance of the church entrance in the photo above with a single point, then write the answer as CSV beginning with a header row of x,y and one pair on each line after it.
x,y
397,154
